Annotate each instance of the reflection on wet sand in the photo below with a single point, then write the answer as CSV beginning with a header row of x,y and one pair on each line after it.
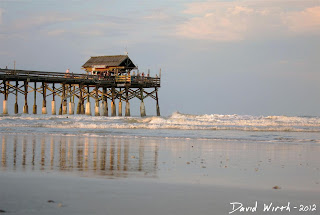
x,y
82,155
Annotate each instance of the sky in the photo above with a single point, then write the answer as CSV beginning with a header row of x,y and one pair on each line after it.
x,y
254,57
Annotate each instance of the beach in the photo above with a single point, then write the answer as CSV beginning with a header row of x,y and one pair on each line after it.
x,y
68,173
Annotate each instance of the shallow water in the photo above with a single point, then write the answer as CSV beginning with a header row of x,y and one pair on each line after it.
x,y
208,162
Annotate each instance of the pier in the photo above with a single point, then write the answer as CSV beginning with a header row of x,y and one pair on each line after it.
x,y
107,79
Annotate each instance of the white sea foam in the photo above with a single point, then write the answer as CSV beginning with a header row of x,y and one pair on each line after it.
x,y
176,125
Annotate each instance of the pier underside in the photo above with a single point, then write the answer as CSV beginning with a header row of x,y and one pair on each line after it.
x,y
80,86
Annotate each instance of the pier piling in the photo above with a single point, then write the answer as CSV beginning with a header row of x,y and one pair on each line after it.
x,y
25,107
44,100
113,105
88,105
16,107
127,111
5,101
35,98
53,102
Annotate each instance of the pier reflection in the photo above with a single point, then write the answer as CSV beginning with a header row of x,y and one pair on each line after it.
x,y
87,156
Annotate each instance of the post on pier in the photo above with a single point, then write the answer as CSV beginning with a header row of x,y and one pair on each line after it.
x,y
80,100
71,103
120,103
35,98
44,100
104,103
5,101
96,106
142,107
64,101
16,108
88,105
53,102
127,113
157,100
25,107
113,105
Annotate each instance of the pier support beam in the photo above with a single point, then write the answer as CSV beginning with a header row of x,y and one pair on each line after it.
x,y
35,99
25,107
71,104
113,105
16,108
5,101
142,107
53,102
71,108
96,106
64,100
157,105
104,103
127,113
80,100
88,105
44,100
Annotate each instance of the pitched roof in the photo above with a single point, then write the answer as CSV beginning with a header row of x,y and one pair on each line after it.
x,y
114,60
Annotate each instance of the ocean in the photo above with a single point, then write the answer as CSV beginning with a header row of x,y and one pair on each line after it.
x,y
273,129
178,164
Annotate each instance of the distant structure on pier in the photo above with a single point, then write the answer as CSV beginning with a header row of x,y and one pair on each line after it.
x,y
107,78
116,64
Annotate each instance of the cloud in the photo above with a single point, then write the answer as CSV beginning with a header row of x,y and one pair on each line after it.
x,y
39,21
240,20
307,20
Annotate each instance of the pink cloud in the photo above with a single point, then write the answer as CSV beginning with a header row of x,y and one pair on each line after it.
x,y
307,20
234,21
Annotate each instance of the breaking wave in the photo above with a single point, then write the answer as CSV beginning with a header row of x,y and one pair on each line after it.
x,y
208,126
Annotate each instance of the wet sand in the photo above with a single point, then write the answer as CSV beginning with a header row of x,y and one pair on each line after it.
x,y
94,175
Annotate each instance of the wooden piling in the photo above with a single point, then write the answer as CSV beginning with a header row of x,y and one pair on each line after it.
x,y
64,100
120,104
53,103
88,105
157,104
142,107
5,101
113,105
35,98
16,108
105,102
127,113
25,107
44,98
96,107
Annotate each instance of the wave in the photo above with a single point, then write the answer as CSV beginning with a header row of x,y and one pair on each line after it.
x,y
177,121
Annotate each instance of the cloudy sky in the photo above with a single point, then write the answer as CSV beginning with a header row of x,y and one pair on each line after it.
x,y
257,57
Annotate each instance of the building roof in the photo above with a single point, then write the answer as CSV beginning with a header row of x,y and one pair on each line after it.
x,y
110,61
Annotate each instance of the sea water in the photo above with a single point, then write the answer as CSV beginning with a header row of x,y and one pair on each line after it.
x,y
283,129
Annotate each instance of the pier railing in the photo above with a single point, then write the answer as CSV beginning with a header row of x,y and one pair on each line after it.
x,y
76,78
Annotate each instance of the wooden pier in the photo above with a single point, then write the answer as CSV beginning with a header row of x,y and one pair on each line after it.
x,y
113,82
